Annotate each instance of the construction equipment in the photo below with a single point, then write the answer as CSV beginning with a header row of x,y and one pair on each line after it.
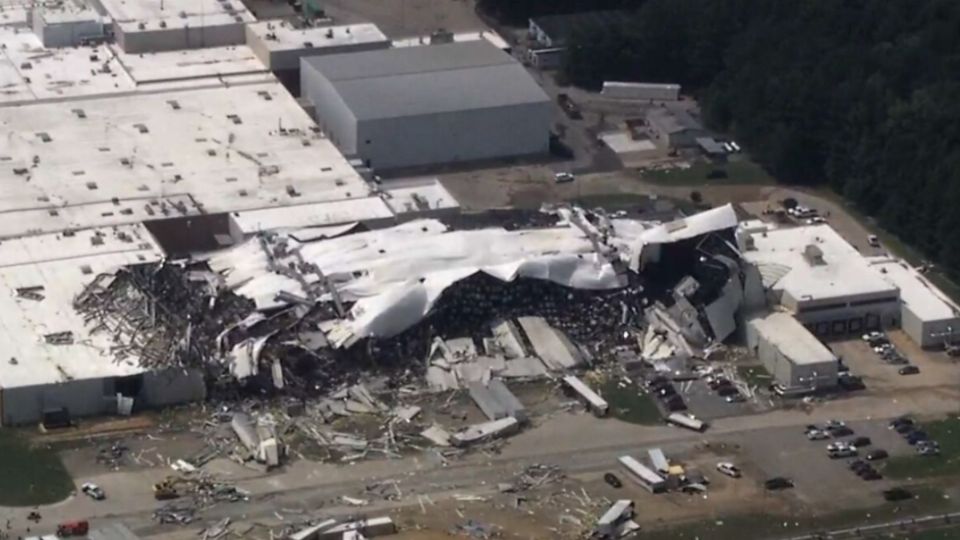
x,y
73,528
166,489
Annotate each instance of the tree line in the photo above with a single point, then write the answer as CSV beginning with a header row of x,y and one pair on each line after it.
x,y
860,95
517,12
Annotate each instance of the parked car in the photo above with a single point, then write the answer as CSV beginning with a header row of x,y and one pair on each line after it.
x,y
718,383
916,436
777,483
860,442
900,421
871,474
850,382
857,464
904,429
841,453
875,455
873,240
93,491
728,469
735,398
909,370
840,432
832,423
928,448
612,479
563,177
694,489
817,435
897,494
873,337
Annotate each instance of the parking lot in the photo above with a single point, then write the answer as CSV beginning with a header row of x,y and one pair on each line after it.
x,y
819,479
936,369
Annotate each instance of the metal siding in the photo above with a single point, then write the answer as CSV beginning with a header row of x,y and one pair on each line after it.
x,y
333,115
456,137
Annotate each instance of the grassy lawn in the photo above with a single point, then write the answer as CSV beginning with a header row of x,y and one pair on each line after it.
x,y
742,171
30,476
755,375
947,433
767,526
630,404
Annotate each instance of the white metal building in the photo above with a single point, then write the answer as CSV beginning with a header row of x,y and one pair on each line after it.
x,y
280,46
794,356
169,25
823,280
927,315
52,359
673,128
645,91
413,106
66,24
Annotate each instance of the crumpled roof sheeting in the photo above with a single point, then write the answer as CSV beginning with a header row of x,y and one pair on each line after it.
x,y
395,275
715,219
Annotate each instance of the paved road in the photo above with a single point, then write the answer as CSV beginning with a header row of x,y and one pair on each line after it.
x,y
579,443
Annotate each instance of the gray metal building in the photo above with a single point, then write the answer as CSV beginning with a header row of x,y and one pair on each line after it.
x,y
404,107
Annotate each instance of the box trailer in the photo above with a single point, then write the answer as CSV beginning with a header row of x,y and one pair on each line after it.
x,y
686,421
643,475
597,405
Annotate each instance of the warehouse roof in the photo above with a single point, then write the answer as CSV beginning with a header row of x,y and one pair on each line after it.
x,y
188,64
39,278
282,36
672,120
140,15
839,271
411,81
164,154
923,298
792,339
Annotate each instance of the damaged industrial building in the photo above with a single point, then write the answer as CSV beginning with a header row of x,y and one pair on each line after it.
x,y
305,312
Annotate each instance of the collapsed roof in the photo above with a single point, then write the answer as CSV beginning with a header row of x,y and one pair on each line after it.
x,y
394,276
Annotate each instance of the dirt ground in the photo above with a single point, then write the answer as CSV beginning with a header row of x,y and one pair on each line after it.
x,y
405,18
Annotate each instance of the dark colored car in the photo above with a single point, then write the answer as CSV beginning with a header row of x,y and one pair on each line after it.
x,y
612,479
674,405
851,383
877,455
909,370
840,431
865,471
858,465
900,421
667,390
897,494
903,429
778,483
658,380
717,383
916,436
871,474
860,442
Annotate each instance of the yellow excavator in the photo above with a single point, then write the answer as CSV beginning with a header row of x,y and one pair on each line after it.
x,y
166,489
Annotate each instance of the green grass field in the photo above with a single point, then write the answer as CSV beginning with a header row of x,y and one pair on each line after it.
x,y
947,433
629,404
767,526
741,171
30,476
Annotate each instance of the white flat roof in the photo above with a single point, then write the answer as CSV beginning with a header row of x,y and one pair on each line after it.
x,y
792,339
57,268
14,12
175,13
146,68
225,149
418,196
489,35
28,71
67,11
845,272
923,298
282,36
310,215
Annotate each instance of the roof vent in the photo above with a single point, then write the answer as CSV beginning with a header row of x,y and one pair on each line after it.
x,y
813,255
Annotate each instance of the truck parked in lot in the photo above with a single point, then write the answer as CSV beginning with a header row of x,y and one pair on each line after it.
x,y
686,421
